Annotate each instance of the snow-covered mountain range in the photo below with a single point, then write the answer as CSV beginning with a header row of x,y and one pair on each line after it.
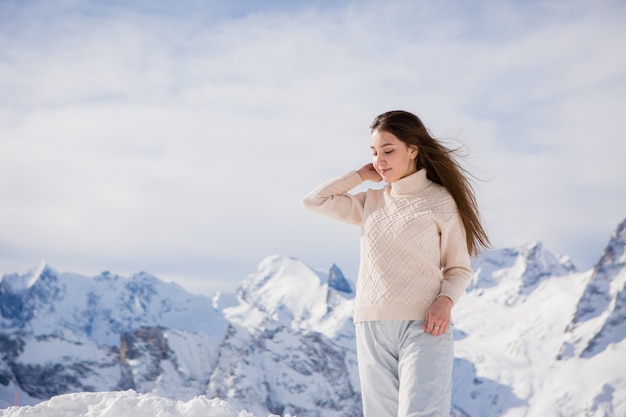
x,y
534,337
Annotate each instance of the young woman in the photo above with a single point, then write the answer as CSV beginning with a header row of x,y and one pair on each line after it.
x,y
417,235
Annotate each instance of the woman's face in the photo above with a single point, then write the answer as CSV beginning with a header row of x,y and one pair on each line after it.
x,y
392,158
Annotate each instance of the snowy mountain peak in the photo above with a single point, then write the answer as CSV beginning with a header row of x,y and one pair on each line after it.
x,y
615,253
295,295
606,284
102,307
278,278
523,268
23,297
36,274
19,282
541,263
337,281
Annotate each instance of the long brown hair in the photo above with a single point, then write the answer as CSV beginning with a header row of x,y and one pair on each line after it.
x,y
441,167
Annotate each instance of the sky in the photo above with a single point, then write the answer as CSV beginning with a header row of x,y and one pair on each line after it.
x,y
178,138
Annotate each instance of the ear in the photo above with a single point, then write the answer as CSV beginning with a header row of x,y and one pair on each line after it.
x,y
414,153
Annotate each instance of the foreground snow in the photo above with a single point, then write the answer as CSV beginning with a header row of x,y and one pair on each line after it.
x,y
126,404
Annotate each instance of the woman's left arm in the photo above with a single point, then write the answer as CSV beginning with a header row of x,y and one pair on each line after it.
x,y
457,271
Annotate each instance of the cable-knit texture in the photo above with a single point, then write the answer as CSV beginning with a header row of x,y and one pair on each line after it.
x,y
413,245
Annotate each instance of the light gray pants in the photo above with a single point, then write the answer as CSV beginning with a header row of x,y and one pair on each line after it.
x,y
404,371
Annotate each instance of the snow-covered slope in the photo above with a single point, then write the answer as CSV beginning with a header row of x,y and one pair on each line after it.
x,y
125,404
290,348
63,333
534,337
550,340
600,318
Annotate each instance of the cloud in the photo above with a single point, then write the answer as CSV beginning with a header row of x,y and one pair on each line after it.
x,y
181,141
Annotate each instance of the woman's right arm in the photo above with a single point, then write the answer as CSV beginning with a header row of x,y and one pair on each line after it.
x,y
332,199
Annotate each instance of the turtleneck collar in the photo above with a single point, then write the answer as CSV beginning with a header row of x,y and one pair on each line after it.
x,y
411,184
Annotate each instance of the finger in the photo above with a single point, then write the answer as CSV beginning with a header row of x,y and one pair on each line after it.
x,y
428,325
442,328
446,327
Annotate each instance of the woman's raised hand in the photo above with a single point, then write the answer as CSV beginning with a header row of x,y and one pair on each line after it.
x,y
369,173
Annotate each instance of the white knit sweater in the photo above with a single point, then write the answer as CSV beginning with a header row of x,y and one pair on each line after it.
x,y
413,245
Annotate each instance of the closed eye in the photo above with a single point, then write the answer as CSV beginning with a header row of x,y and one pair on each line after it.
x,y
385,151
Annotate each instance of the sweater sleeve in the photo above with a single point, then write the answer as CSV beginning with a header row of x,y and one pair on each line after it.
x,y
332,199
455,258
